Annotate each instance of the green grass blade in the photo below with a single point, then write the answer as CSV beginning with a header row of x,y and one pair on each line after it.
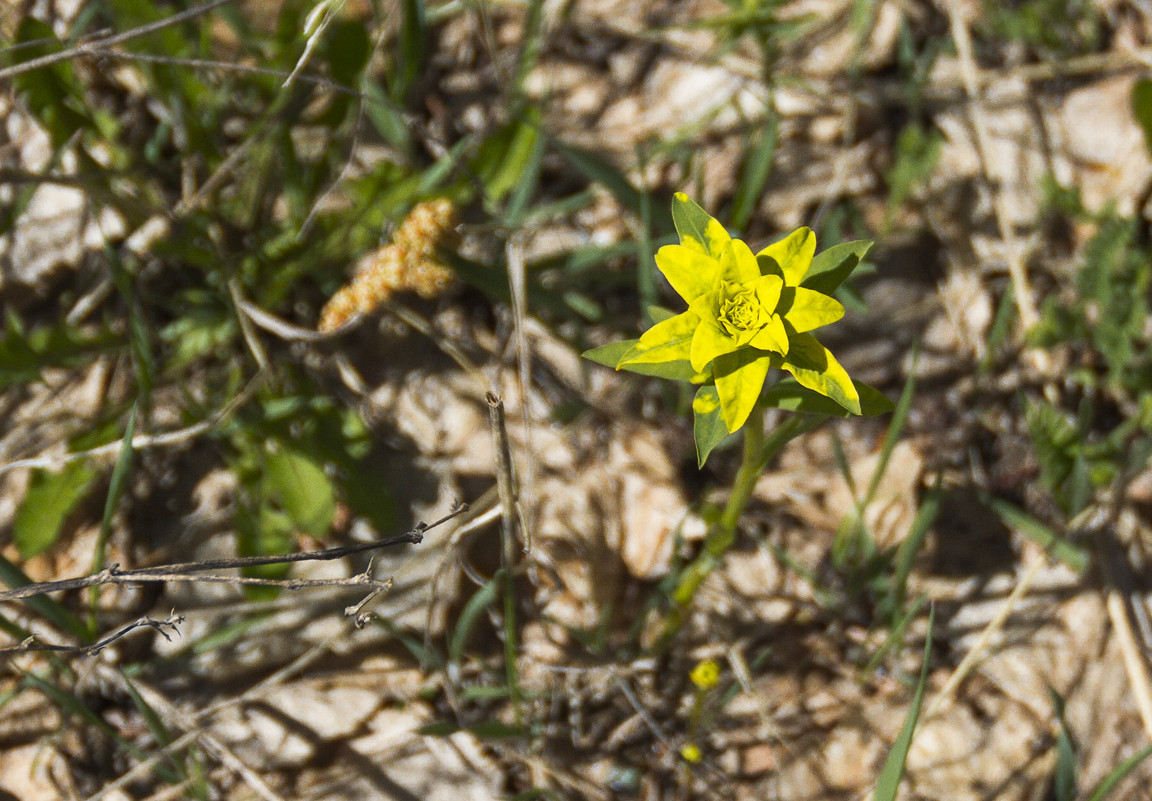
x,y
899,417
1065,777
413,41
646,276
757,168
893,771
1057,546
895,637
116,487
596,168
531,43
1118,774
42,605
470,615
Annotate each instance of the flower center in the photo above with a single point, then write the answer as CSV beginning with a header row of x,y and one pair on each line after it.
x,y
740,310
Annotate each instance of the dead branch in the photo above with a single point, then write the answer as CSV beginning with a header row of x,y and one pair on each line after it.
x,y
191,571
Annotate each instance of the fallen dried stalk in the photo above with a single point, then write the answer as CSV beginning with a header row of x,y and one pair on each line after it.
x,y
95,46
1015,251
190,571
980,647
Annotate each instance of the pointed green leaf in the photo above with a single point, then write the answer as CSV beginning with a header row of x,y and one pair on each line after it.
x,y
806,310
789,394
815,367
678,370
792,254
708,426
690,272
503,159
659,314
471,616
668,340
609,355
740,378
831,267
413,48
1141,101
697,229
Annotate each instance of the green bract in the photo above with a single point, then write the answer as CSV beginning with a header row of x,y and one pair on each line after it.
x,y
746,314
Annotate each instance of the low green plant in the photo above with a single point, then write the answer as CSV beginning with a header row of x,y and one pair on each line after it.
x,y
1102,429
749,320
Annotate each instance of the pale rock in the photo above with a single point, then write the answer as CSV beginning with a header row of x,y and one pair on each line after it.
x,y
851,759
832,56
652,512
969,309
1018,154
652,503
408,764
758,759
675,95
260,738
25,772
331,712
47,237
889,516
1105,144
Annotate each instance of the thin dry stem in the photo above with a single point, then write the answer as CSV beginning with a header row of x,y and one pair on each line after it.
x,y
93,47
978,651
517,285
32,643
141,441
1015,250
191,571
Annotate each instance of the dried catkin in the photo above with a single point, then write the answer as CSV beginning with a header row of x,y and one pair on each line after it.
x,y
408,264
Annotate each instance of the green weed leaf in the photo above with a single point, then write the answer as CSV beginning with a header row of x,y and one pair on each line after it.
x,y
790,394
609,355
50,498
815,367
697,230
708,427
888,784
831,267
303,489
1142,108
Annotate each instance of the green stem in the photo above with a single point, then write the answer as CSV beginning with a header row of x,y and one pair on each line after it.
x,y
720,539
760,448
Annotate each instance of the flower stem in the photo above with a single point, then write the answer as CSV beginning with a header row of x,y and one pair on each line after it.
x,y
760,448
721,537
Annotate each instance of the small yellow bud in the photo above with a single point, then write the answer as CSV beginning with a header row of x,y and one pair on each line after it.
x,y
706,675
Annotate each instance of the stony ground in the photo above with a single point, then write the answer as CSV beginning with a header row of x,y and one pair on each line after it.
x,y
298,703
